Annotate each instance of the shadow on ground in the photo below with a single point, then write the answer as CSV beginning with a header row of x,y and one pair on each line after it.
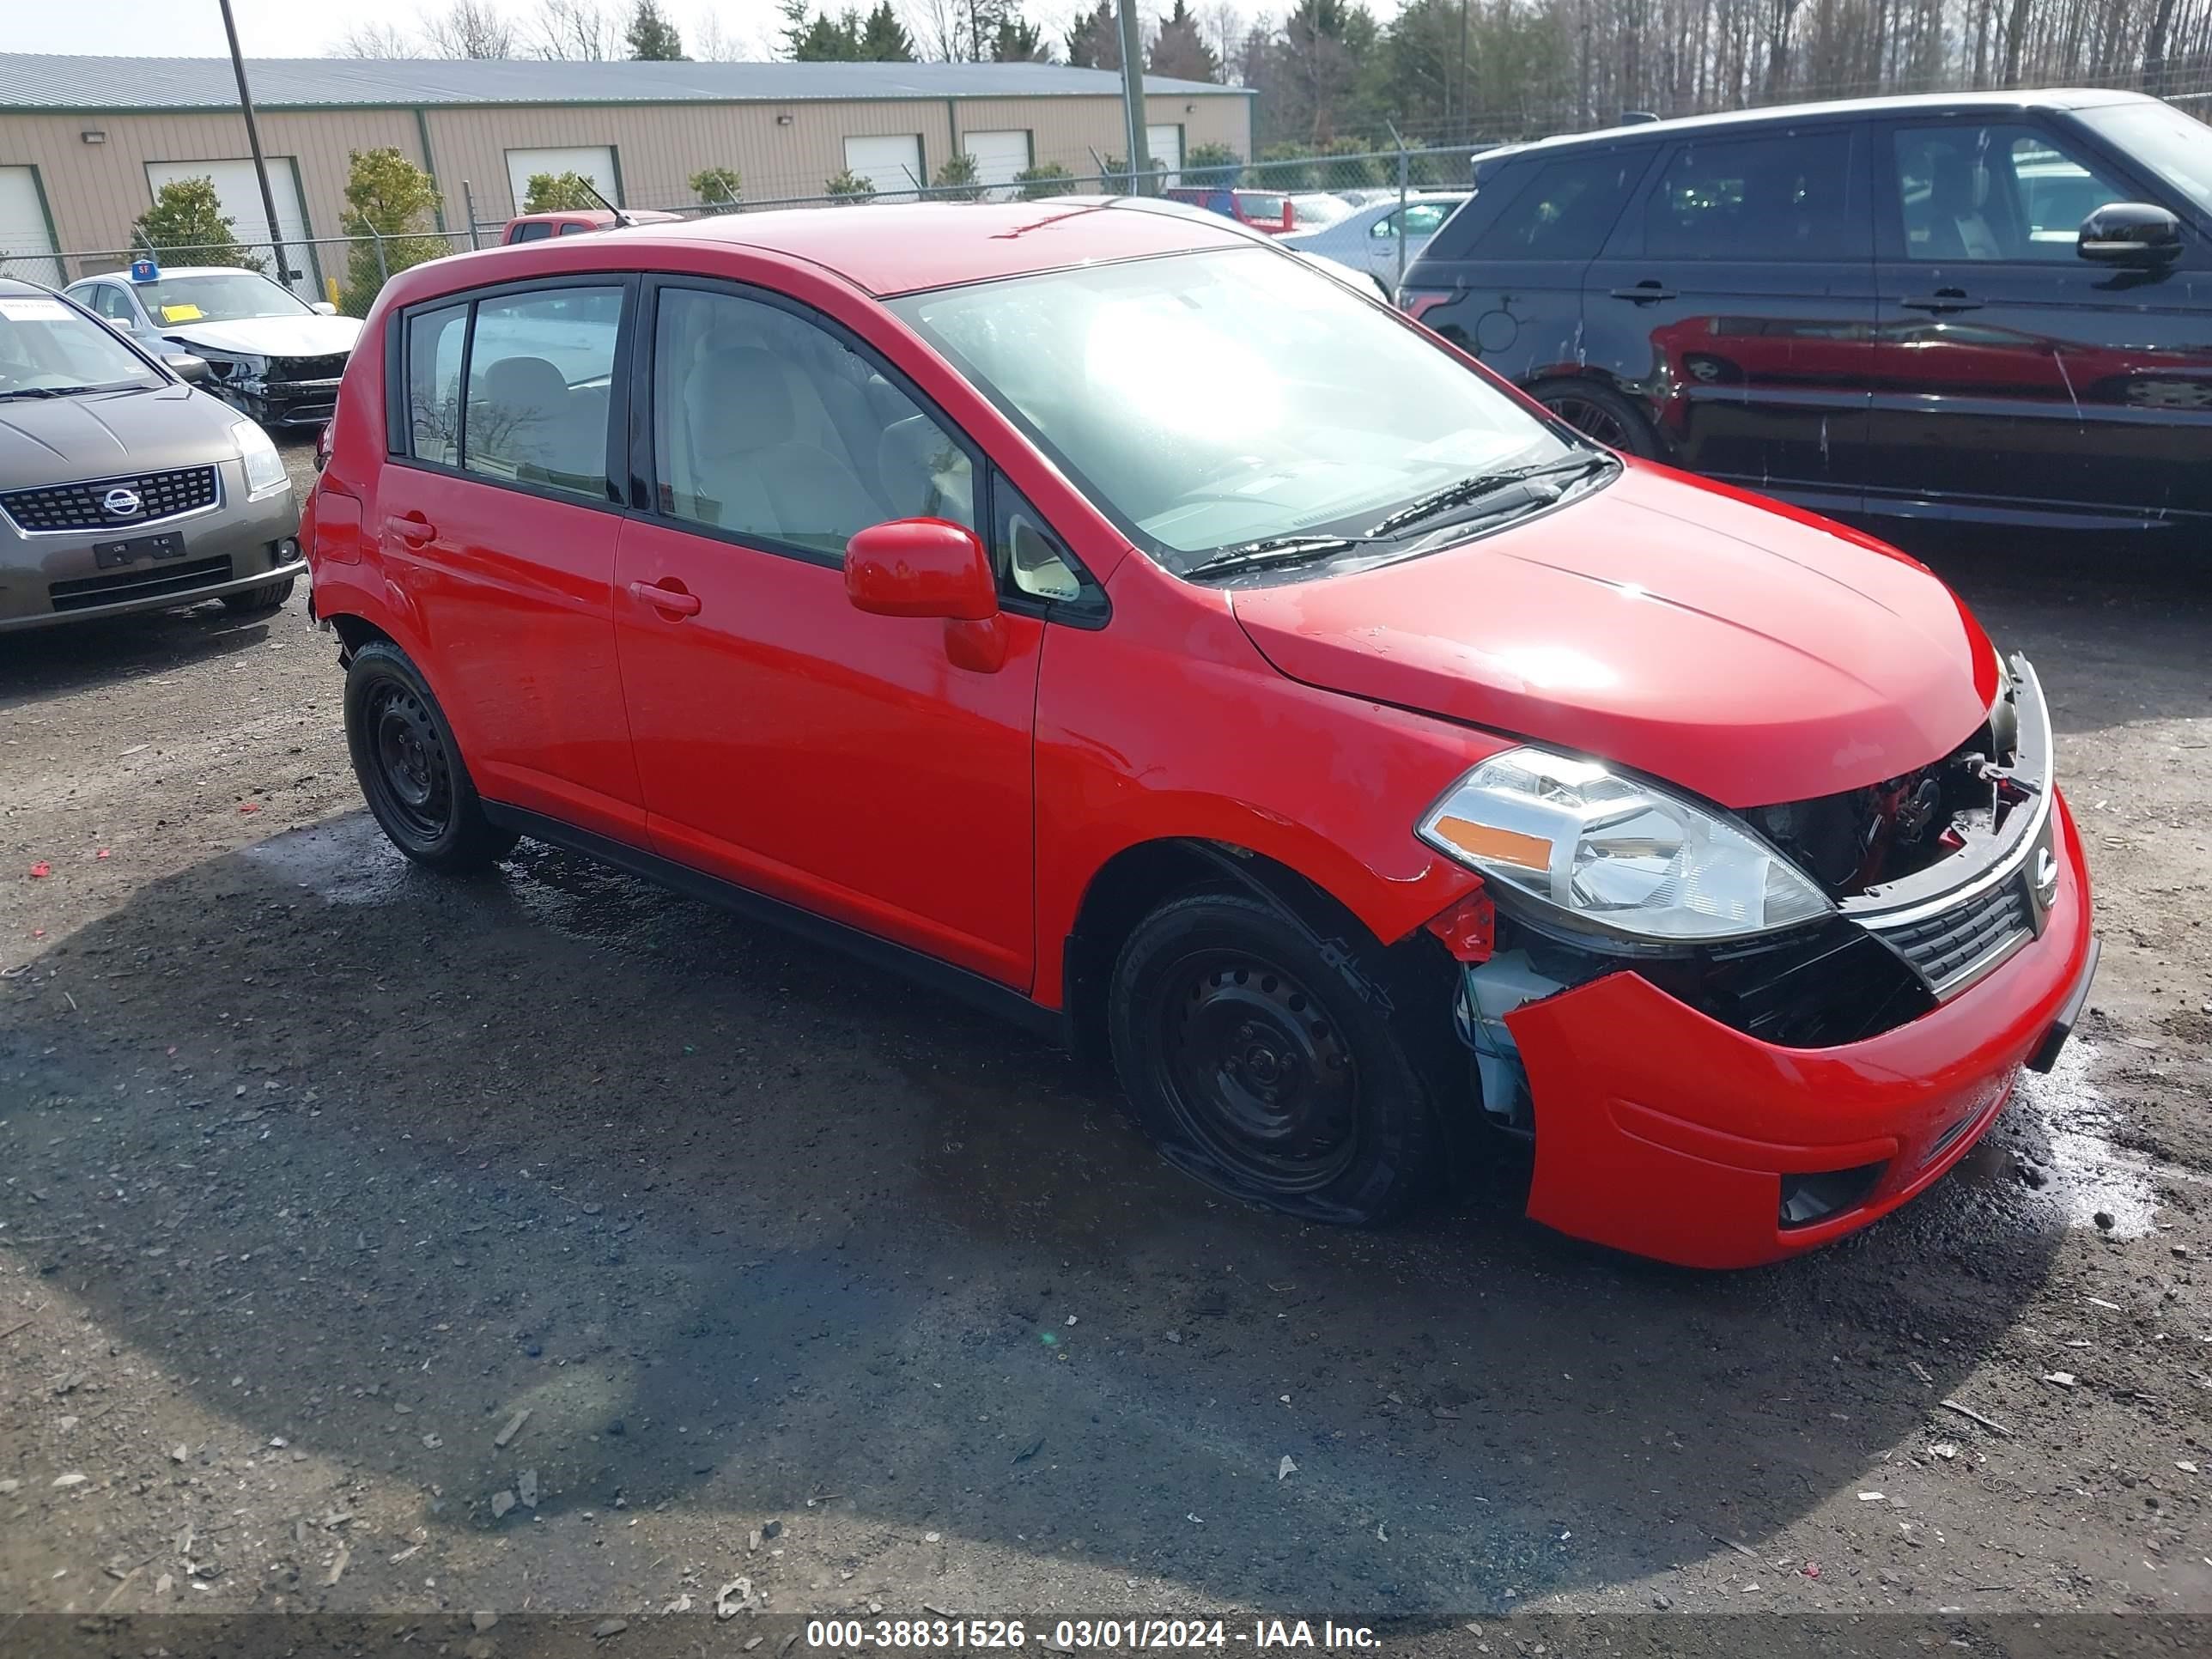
x,y
321,1137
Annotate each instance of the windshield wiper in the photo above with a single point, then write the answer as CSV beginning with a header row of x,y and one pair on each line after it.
x,y
1468,491
1279,549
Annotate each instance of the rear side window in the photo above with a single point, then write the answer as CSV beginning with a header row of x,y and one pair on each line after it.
x,y
1784,195
540,366
532,233
1565,211
433,384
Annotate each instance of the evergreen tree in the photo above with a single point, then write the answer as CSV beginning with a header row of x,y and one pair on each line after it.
x,y
884,39
652,37
389,201
186,226
1018,41
1094,39
1180,50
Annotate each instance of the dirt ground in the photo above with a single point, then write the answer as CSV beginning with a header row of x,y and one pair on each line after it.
x,y
374,1243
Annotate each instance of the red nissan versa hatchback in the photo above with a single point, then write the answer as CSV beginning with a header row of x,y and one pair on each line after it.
x,y
1091,607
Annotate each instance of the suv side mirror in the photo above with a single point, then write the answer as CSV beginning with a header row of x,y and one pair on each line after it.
x,y
2130,234
323,308
187,366
920,567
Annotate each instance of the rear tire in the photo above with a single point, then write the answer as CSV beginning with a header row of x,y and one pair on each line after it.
x,y
1600,412
410,768
260,601
1260,1065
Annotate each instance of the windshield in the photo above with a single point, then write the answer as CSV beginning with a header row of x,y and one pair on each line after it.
x,y
1210,400
2176,147
217,297
48,346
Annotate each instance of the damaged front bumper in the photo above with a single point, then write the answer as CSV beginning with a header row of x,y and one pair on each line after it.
x,y
1668,1119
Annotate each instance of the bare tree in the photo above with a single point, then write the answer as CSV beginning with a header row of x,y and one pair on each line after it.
x,y
376,40
1223,27
579,29
469,28
713,43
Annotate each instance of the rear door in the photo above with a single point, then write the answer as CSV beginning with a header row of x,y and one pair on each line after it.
x,y
1735,300
498,523
2019,382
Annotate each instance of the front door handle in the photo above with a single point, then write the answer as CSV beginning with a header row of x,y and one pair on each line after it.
x,y
412,528
1645,292
667,594
1941,300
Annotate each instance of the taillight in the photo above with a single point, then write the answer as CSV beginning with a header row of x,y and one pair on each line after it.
x,y
1418,305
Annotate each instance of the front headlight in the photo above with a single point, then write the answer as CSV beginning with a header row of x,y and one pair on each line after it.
x,y
1602,852
264,468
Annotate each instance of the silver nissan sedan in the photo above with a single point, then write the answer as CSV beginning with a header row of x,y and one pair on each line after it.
x,y
123,488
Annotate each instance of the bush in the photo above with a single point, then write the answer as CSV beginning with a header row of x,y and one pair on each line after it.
x,y
387,197
559,192
848,187
1214,165
186,226
1039,182
955,180
717,187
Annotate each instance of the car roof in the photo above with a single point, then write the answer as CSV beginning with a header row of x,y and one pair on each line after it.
x,y
173,270
903,248
1788,114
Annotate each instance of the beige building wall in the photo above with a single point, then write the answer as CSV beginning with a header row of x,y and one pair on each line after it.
x,y
94,192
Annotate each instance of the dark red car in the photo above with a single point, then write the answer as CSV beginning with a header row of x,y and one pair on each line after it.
x,y
578,221
1091,609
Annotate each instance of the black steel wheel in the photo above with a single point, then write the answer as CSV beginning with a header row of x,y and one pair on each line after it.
x,y
1599,412
1267,1068
410,767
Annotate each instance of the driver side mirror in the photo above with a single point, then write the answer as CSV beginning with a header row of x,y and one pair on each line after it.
x,y
187,366
2130,234
921,567
322,309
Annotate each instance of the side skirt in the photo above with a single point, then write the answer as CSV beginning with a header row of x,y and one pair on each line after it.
x,y
977,992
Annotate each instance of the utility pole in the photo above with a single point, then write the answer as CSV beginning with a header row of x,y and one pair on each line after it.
x,y
1133,101
253,142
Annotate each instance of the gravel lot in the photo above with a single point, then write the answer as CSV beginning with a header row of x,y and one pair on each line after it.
x,y
319,1174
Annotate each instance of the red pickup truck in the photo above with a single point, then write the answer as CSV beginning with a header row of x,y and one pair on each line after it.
x,y
574,221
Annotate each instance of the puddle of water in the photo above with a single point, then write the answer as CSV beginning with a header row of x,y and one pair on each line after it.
x,y
348,861
2062,1124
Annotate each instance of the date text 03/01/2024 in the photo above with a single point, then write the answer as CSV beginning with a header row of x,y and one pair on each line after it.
x,y
1073,1634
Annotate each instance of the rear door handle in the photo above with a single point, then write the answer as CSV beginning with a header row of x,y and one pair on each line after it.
x,y
1942,300
673,599
1644,293
412,528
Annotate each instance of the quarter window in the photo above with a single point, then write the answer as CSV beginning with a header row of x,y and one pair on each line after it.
x,y
1565,210
540,369
433,384
767,425
111,302
1781,197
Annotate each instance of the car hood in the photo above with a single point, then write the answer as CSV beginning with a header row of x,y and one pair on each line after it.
x,y
110,435
271,337
1752,653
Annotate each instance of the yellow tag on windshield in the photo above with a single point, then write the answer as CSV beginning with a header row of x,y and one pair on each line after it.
x,y
181,313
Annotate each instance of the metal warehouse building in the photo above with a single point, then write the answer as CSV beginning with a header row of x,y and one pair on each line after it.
x,y
85,142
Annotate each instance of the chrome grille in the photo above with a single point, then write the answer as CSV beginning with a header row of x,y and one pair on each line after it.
x,y
77,506
1964,942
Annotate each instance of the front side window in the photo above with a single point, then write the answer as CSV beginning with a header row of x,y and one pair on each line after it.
x,y
2003,191
46,347
2176,147
1209,400
1780,197
540,366
1422,218
1565,210
768,426
218,296
111,302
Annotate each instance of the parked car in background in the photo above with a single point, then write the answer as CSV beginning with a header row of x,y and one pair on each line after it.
x,y
269,352
1990,307
1265,211
919,577
1368,240
578,221
122,487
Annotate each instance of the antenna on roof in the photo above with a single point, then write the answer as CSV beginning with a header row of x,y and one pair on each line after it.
x,y
621,218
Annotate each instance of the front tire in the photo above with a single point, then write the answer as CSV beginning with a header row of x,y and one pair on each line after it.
x,y
410,768
1265,1069
260,601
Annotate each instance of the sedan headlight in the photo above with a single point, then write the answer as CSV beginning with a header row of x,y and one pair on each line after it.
x,y
1597,851
264,468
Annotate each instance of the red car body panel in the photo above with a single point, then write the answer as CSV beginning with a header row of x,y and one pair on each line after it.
x,y
1673,1103
1742,655
883,771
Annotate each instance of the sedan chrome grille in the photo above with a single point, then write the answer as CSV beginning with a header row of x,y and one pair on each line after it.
x,y
94,504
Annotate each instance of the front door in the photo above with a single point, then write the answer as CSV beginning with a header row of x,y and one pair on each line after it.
x,y
1739,291
787,742
498,527
2017,380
